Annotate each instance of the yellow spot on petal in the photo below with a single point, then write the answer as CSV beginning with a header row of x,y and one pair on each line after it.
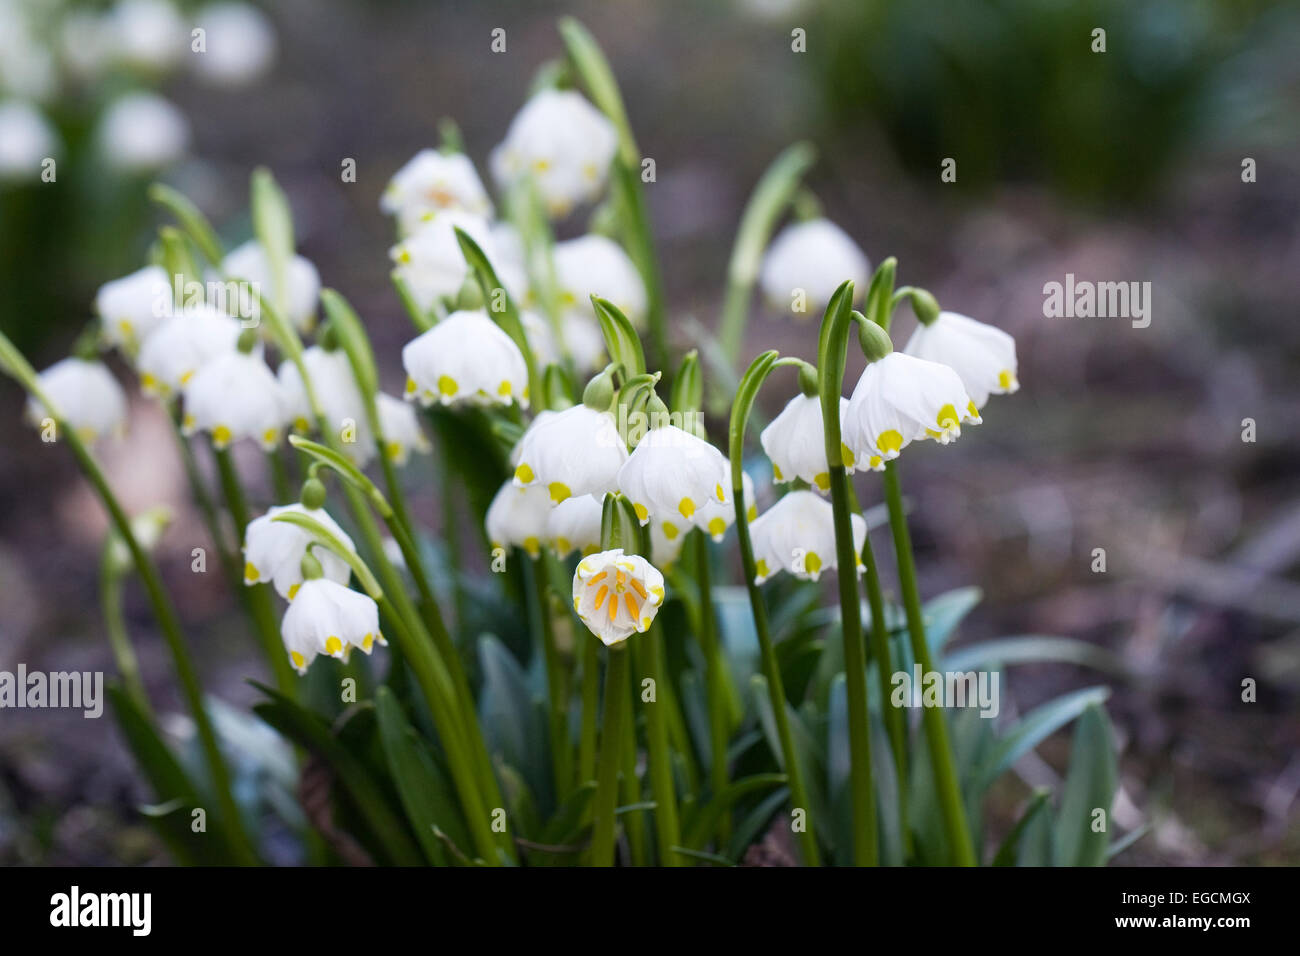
x,y
404,257
301,424
367,642
752,513
251,574
1005,378
394,450
524,474
411,387
504,389
888,441
447,385
947,417
270,436
532,546
822,481
974,412
811,562
642,512
760,568
541,165
188,421
559,491
875,461
670,530
333,646
562,545
293,590
776,472
687,507
297,659
221,435
186,376
717,527
720,493
847,456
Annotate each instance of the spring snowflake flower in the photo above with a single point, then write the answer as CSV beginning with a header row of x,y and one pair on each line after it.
x,y
147,34
142,132
714,517
430,183
815,257
175,351
900,399
517,518
132,307
465,358
86,396
249,263
236,396
401,428
666,550
574,452
336,389
617,594
430,260
673,473
241,44
795,443
330,619
595,265
982,355
26,140
563,143
273,550
574,525
797,535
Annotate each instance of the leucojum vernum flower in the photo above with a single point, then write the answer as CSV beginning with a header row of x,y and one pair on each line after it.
x,y
625,627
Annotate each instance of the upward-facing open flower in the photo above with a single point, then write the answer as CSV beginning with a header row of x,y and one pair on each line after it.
x,y
465,358
432,182
715,517
672,474
175,351
563,143
273,550
796,444
900,399
574,525
596,265
517,518
330,619
617,594
811,257
249,262
85,394
982,355
338,395
236,396
797,534
133,306
574,452
401,428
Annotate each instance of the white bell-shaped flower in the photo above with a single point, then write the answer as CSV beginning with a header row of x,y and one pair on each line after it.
x,y
616,594
714,518
982,355
430,261
241,44
133,306
797,535
339,396
330,619
900,399
401,427
574,525
249,263
273,550
174,352
26,140
673,474
432,182
596,265
795,442
574,452
236,396
465,358
142,132
517,518
563,143
85,394
807,262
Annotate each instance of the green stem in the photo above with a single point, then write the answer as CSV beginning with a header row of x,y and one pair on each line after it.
x,y
611,745
279,476
650,657
229,566
936,728
590,704
119,640
557,691
716,678
633,820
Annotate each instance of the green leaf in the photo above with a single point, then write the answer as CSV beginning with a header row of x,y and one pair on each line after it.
x,y
688,384
273,226
1033,729
1032,648
1126,841
943,614
704,821
191,219
1009,851
354,341
508,316
621,340
1089,787
334,544
591,66
751,827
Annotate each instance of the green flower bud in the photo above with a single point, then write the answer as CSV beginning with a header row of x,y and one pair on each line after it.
x,y
874,340
599,393
313,494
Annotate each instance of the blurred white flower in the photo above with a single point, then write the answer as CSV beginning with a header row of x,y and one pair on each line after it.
x,y
595,265
142,132
147,34
432,182
541,338
430,260
673,473
401,428
174,352
465,358
517,518
797,535
27,68
617,594
85,44
584,340
338,395
130,308
982,355
85,394
236,396
250,264
814,256
796,444
273,550
563,143
574,452
240,44
26,140
330,619
574,525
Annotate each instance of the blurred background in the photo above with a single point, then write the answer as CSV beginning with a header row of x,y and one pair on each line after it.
x,y
1125,165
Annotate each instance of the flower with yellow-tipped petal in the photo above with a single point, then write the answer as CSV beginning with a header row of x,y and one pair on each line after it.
x,y
673,474
577,451
983,356
273,550
236,396
173,353
812,257
517,518
797,535
338,394
796,445
715,517
401,428
432,182
465,358
327,618
250,263
430,261
574,525
132,307
617,595
85,394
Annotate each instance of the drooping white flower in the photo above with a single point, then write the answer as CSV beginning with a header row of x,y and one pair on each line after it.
x,y
665,550
596,265
133,306
898,400
795,443
574,525
574,452
814,257
174,352
432,182
616,594
430,260
142,132
240,44
330,619
85,394
26,140
465,358
982,355
273,550
714,518
517,518
563,143
250,263
236,396
401,428
338,395
797,535
673,473
147,34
